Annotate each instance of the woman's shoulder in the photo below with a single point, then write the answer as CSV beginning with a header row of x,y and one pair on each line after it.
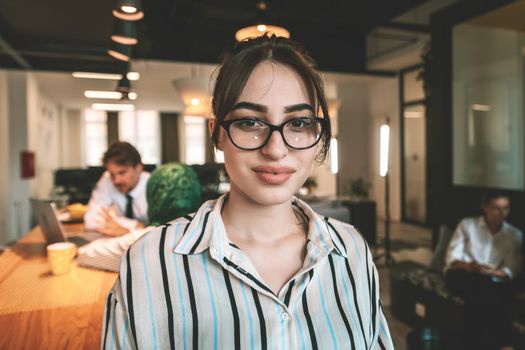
x,y
168,235
348,234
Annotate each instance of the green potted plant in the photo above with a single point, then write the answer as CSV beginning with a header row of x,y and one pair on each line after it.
x,y
358,189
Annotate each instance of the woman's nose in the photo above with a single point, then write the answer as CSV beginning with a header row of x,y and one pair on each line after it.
x,y
275,148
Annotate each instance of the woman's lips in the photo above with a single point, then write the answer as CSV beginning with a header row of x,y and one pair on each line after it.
x,y
273,175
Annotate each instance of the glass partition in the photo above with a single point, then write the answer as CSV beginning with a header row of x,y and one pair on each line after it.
x,y
413,146
415,163
487,104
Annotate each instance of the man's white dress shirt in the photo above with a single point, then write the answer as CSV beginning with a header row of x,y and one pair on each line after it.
x,y
473,242
106,195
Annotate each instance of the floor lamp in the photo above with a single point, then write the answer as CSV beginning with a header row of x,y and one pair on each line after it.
x,y
384,147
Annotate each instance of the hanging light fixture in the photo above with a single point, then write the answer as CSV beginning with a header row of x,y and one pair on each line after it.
x,y
125,32
129,10
262,26
120,51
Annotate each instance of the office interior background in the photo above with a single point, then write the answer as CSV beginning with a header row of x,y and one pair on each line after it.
x,y
448,75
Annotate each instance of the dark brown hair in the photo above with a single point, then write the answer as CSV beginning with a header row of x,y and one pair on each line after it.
x,y
122,153
238,65
491,195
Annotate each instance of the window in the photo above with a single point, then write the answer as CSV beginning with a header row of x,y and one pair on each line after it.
x,y
95,136
195,137
142,130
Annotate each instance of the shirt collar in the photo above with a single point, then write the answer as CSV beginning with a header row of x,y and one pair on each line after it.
x,y
483,224
140,186
206,230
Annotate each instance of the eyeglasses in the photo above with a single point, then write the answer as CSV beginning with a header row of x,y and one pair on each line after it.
x,y
251,133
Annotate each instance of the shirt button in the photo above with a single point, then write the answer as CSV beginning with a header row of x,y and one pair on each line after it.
x,y
285,316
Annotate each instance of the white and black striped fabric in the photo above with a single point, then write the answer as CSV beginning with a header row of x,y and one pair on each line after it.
x,y
185,286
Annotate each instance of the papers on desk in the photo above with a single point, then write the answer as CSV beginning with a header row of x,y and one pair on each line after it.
x,y
105,253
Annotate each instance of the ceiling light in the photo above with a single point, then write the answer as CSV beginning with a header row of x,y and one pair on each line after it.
x,y
255,31
195,95
119,51
129,10
124,32
112,95
113,107
94,75
132,76
383,148
262,28
334,158
132,96
480,107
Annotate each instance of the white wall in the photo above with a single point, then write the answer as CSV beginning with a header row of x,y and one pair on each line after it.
x,y
4,160
29,121
353,128
44,138
19,189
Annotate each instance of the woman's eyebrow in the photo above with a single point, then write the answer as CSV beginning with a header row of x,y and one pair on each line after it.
x,y
248,105
298,107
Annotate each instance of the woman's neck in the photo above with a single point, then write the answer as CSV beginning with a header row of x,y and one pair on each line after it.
x,y
250,221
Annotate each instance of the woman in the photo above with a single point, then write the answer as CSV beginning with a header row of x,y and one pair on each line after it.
x,y
257,268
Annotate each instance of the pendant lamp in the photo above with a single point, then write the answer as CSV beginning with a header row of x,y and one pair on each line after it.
x,y
129,10
262,26
120,51
125,32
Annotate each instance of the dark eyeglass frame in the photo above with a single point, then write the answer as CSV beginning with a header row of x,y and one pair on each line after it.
x,y
225,124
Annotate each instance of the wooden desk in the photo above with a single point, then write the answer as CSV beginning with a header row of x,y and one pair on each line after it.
x,y
72,327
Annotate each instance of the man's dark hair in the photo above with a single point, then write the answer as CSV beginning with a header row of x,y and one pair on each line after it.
x,y
489,196
122,153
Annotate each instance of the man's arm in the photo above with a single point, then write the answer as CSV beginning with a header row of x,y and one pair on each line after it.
x,y
457,256
100,199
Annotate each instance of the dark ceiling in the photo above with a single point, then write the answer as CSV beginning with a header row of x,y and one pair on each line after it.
x,y
67,35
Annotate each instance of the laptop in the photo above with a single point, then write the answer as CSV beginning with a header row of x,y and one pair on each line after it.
x,y
46,217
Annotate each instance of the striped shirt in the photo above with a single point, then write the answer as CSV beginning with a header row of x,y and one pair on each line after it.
x,y
185,286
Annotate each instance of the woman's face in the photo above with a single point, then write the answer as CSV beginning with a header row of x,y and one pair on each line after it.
x,y
272,174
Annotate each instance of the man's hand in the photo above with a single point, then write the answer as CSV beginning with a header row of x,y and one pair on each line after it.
x,y
492,271
467,266
108,225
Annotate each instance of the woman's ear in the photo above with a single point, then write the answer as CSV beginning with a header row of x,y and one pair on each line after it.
x,y
212,124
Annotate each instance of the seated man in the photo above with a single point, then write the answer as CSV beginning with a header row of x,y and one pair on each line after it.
x,y
483,256
173,190
118,203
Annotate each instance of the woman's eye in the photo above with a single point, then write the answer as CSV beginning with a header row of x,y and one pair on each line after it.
x,y
299,123
248,123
